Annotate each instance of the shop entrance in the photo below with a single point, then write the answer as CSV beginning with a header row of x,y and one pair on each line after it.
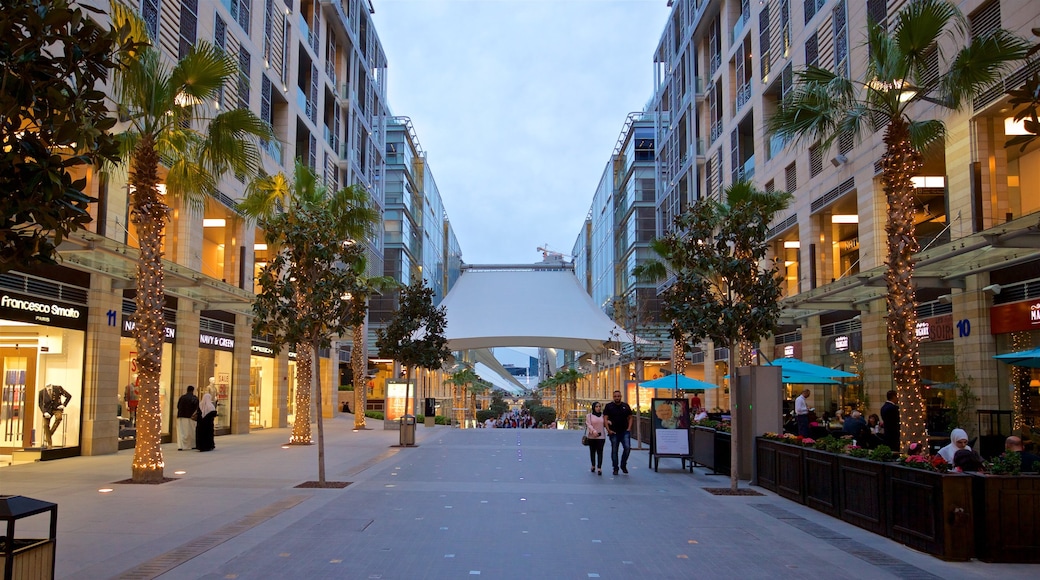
x,y
18,369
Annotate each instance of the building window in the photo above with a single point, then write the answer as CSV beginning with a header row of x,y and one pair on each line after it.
x,y
815,160
244,62
985,20
841,40
791,178
770,186
150,14
845,143
812,50
189,26
220,33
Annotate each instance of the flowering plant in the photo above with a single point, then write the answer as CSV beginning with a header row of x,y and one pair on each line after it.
x,y
808,441
934,463
857,451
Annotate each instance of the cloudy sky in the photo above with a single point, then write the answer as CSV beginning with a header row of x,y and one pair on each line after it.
x,y
518,105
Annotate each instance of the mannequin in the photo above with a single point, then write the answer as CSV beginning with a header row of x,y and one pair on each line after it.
x,y
130,396
211,388
52,401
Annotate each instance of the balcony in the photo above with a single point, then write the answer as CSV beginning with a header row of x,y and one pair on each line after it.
x,y
743,95
330,69
745,172
716,132
274,149
739,27
305,30
713,64
331,138
776,145
698,88
304,104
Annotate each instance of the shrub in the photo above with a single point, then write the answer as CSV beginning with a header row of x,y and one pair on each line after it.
x,y
484,415
378,415
544,415
856,451
441,420
1008,463
346,387
881,453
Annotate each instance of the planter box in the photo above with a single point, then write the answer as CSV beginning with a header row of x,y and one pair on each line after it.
x,y
821,481
790,472
930,512
765,463
30,559
1007,518
702,446
722,452
862,493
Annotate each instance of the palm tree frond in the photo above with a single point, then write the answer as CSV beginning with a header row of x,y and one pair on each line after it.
x,y
925,133
200,74
919,26
980,64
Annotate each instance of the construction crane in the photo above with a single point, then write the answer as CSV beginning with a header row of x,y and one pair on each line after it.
x,y
552,256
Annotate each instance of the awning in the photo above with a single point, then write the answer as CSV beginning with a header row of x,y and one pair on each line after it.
x,y
1025,358
525,306
676,381
793,365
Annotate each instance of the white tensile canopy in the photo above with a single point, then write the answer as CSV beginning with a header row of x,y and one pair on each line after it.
x,y
525,307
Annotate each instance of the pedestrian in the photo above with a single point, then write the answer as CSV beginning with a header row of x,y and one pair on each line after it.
x,y
619,427
187,407
890,421
204,426
801,413
596,432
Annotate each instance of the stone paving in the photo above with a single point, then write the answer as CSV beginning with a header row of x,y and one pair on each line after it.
x,y
495,503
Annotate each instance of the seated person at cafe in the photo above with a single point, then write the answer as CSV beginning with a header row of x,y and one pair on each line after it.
x,y
855,425
1030,461
967,461
958,442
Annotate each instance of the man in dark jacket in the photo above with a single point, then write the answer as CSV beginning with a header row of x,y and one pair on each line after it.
x,y
890,420
619,426
187,406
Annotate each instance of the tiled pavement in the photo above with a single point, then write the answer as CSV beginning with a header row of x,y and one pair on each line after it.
x,y
491,503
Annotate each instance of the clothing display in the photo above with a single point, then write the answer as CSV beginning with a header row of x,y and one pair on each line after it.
x,y
52,402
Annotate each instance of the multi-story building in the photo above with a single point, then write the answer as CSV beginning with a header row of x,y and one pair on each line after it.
x,y
614,239
315,70
722,66
419,243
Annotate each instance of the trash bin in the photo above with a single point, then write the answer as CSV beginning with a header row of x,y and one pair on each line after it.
x,y
408,430
21,557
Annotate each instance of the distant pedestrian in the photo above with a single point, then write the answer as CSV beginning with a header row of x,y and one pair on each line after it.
x,y
596,431
619,427
890,422
801,412
187,407
204,427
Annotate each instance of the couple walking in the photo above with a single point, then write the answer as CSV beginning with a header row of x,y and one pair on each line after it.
x,y
615,422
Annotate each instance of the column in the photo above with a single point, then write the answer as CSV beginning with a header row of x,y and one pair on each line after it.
x,y
100,434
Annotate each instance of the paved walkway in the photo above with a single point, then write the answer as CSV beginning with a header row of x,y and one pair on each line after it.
x,y
497,503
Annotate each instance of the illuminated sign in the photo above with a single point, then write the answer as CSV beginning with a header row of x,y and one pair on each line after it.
x,y
789,351
130,325
216,342
841,343
35,311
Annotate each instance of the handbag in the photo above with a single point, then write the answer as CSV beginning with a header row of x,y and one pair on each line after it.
x,y
585,435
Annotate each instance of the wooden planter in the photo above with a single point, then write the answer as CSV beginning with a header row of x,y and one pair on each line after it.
x,y
862,493
29,559
702,446
821,481
765,463
790,472
723,452
1007,520
930,512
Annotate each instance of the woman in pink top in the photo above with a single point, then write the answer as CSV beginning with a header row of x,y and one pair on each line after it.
x,y
596,431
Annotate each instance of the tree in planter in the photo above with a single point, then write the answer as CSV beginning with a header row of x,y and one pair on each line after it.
x,y
479,387
364,287
54,123
567,379
459,381
415,335
824,106
311,235
171,135
724,287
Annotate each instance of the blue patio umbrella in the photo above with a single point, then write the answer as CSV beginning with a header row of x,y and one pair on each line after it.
x,y
1026,358
796,378
677,381
803,368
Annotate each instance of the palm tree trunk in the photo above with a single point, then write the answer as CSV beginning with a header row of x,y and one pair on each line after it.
x,y
901,162
358,361
148,213
321,423
301,430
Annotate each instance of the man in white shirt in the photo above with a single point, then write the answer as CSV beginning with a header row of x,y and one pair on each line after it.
x,y
801,413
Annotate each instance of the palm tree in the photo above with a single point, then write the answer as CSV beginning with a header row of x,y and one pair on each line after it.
x,y
364,288
477,388
458,381
270,197
824,105
569,378
171,136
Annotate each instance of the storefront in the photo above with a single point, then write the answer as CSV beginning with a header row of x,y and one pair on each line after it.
x,y
938,369
1016,328
129,392
216,364
41,365
839,352
262,386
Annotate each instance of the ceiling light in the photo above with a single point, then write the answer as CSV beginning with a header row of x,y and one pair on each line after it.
x,y
845,219
259,247
1013,127
792,245
929,181
214,222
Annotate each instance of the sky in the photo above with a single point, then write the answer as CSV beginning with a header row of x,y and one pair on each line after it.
x,y
518,105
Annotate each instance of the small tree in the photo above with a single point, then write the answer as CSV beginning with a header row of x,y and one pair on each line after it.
x,y
724,287
415,335
54,123
459,380
303,287
364,287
